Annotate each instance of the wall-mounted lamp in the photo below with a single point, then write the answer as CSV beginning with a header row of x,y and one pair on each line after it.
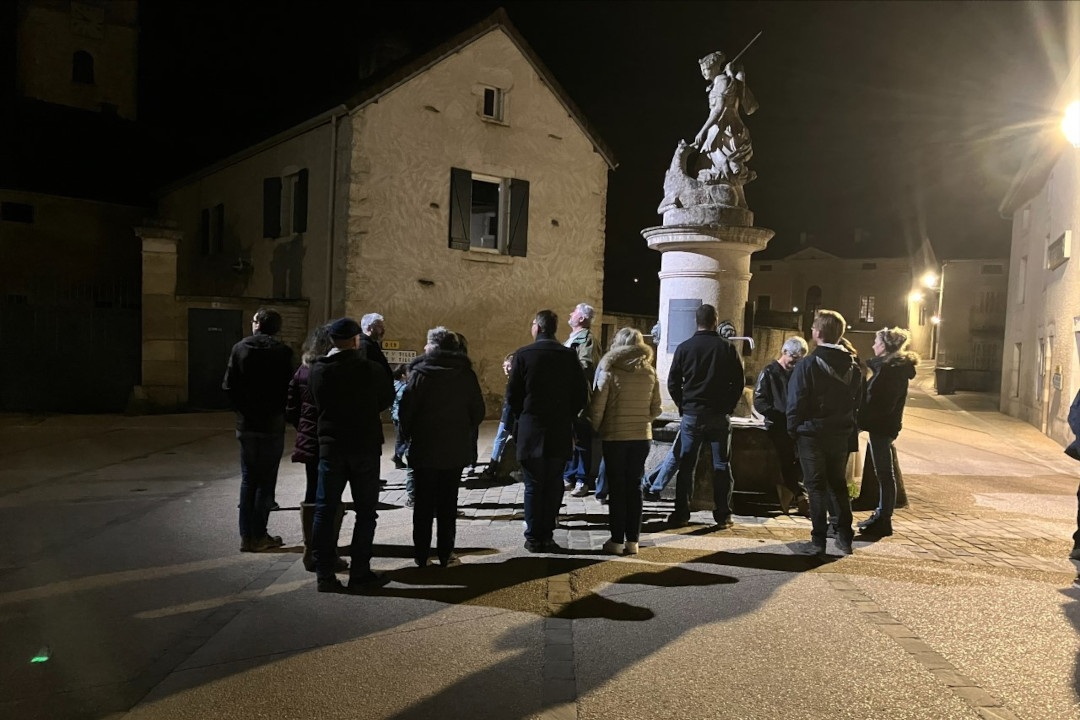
x,y
935,319
916,296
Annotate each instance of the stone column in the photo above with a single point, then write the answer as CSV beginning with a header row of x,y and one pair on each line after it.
x,y
710,263
164,330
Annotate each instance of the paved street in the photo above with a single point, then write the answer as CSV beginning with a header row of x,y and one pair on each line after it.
x,y
120,573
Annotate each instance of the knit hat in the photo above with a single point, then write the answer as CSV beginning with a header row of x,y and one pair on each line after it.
x,y
344,328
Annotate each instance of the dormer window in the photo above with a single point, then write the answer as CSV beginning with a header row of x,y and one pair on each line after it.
x,y
493,104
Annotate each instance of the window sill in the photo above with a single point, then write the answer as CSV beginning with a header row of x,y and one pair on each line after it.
x,y
488,256
494,121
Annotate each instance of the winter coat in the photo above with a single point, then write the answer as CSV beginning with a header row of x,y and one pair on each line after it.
x,y
882,408
440,410
373,351
257,382
627,395
301,413
770,395
587,353
823,393
349,392
706,375
546,392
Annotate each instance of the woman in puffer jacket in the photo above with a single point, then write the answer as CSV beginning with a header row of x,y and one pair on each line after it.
x,y
880,414
624,403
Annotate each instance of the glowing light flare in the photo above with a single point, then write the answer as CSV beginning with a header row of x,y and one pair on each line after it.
x,y
930,280
794,309
1070,124
935,319
916,297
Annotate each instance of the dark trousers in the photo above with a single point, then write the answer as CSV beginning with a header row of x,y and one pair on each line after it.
x,y
624,463
580,464
824,464
790,470
260,455
543,496
360,471
436,499
311,489
881,453
399,442
695,431
1076,535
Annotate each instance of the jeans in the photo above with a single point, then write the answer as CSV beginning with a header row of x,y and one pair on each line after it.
x,y
311,489
400,446
360,471
543,497
881,453
661,476
790,471
824,463
260,455
436,499
601,481
696,431
577,469
625,462
501,435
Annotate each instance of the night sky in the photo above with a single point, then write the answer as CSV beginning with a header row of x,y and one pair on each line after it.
x,y
905,120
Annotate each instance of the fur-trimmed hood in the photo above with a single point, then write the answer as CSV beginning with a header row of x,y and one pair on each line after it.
x,y
904,361
630,358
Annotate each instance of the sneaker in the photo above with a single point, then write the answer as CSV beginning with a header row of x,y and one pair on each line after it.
x,y
534,546
882,527
567,485
830,532
809,548
631,548
330,585
650,496
267,542
603,500
579,491
1075,554
613,548
409,502
450,561
675,521
874,517
843,546
724,523
550,546
420,562
367,581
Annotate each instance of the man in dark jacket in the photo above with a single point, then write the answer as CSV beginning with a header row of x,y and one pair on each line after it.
x,y
373,329
1073,451
770,401
439,412
705,381
350,391
821,403
257,382
546,392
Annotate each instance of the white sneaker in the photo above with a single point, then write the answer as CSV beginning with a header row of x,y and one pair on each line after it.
x,y
613,548
631,548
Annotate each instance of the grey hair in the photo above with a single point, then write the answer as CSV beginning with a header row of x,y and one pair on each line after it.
x,y
894,339
443,339
587,311
795,346
370,319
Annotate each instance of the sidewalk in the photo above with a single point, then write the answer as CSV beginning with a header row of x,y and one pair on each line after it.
x,y
119,556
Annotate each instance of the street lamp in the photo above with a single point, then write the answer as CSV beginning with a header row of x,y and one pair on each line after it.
x,y
1070,124
915,297
929,279
935,319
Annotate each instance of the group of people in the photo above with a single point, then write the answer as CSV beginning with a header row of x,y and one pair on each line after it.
x,y
558,395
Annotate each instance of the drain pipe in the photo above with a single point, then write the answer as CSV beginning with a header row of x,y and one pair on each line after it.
x,y
339,111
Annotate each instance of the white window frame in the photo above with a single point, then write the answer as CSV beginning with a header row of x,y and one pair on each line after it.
x,y
502,217
498,113
866,308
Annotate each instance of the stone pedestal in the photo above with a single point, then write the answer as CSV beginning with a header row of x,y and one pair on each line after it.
x,y
709,263
164,337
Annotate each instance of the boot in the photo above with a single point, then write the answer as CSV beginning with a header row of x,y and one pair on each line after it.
x,y
869,490
901,493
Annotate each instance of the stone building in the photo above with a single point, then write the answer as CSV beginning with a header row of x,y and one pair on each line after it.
x,y
870,292
1040,362
72,187
463,188
971,331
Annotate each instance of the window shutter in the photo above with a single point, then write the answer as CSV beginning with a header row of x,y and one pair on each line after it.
x,y
204,232
518,242
272,207
218,230
299,223
460,208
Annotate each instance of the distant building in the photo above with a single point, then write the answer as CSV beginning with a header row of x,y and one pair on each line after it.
x,y
971,333
870,292
463,188
1040,361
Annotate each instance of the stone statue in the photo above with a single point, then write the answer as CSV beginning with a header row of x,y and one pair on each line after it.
x,y
704,184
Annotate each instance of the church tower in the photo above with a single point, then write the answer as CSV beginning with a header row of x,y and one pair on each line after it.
x,y
80,53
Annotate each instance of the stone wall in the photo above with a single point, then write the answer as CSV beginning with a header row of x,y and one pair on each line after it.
x,y
399,262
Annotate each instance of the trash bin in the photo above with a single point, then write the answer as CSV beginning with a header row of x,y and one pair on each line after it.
x,y
945,380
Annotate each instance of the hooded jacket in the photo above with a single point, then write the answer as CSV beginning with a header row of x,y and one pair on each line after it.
x,y
882,408
257,381
349,392
823,393
627,395
440,410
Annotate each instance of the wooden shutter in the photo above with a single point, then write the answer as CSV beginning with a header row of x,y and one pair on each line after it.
x,y
217,231
204,232
518,242
272,207
299,223
460,208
